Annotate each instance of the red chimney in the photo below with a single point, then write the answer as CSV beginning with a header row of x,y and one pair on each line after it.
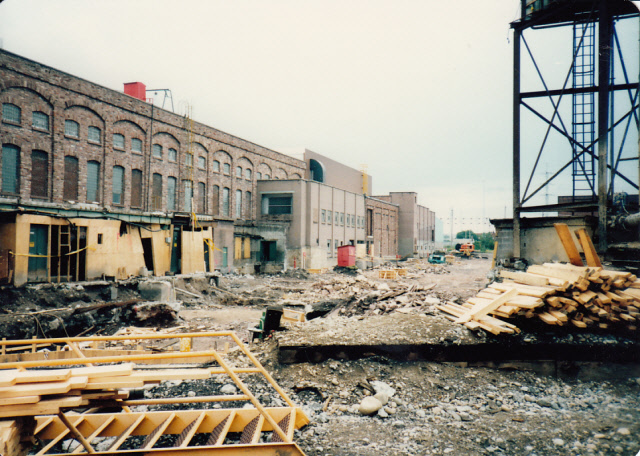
x,y
136,89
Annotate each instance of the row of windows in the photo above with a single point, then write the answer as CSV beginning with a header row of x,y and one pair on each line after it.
x,y
340,218
335,244
13,114
40,176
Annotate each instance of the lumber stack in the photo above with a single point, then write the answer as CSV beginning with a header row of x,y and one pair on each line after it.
x,y
46,391
557,294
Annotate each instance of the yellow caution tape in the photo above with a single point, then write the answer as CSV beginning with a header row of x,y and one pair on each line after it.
x,y
211,245
52,256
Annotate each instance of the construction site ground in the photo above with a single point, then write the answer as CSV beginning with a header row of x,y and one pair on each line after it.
x,y
536,406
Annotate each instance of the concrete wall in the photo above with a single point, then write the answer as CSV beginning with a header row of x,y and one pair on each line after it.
x,y
313,224
540,242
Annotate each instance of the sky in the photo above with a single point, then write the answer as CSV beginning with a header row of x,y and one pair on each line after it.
x,y
418,91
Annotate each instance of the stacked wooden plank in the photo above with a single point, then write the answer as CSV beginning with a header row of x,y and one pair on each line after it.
x,y
557,294
46,391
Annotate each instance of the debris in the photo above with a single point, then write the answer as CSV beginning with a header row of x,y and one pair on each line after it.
x,y
369,405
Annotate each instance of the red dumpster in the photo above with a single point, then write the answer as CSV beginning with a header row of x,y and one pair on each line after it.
x,y
347,255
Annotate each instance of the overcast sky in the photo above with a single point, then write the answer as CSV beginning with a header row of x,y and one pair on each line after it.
x,y
419,91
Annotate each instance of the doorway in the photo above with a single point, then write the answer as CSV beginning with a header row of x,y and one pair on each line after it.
x,y
147,251
38,245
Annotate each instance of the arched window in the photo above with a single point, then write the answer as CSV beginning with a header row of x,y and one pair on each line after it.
x,y
215,201
10,168
156,192
247,174
118,185
95,135
216,166
39,174
71,128
136,188
247,203
188,194
70,185
225,202
93,181
202,197
238,171
316,170
173,155
118,141
11,113
40,120
238,203
157,150
171,193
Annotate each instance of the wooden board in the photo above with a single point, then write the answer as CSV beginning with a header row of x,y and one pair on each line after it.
x,y
482,309
567,243
590,253
524,278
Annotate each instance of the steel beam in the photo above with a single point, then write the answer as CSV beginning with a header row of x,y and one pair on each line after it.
x,y
605,38
517,36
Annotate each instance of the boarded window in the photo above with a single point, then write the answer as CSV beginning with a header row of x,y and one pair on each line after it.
x,y
70,189
136,188
171,194
215,200
202,197
10,168
156,197
118,185
225,202
93,181
247,248
188,194
39,174
237,251
238,203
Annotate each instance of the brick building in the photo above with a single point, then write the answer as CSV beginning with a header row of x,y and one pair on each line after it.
x,y
382,227
87,168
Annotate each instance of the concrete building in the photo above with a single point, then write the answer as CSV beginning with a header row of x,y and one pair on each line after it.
x,y
416,225
382,228
320,218
96,182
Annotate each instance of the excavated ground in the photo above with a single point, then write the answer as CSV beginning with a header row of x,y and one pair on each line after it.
x,y
438,408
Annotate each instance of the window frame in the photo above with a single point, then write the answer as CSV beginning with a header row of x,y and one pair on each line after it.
x,y
272,207
18,109
215,166
93,128
202,162
113,187
133,149
76,125
172,155
157,147
117,145
93,166
15,190
239,172
226,169
41,117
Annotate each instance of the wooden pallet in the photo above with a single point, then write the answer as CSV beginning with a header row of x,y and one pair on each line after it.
x,y
388,274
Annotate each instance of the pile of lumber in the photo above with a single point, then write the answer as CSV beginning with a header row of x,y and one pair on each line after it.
x,y
557,294
46,391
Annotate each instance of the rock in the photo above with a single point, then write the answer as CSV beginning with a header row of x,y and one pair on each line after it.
x,y
382,413
544,402
155,290
390,410
623,431
369,405
558,442
382,397
465,416
506,408
382,387
228,389
529,398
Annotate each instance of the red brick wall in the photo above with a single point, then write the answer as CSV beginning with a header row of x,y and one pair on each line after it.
x,y
35,87
385,226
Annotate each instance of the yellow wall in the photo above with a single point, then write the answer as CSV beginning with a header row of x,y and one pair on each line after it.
x,y
161,248
193,250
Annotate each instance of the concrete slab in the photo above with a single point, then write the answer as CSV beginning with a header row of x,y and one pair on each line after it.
x,y
432,338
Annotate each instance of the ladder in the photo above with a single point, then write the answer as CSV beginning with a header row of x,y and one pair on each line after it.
x,y
583,115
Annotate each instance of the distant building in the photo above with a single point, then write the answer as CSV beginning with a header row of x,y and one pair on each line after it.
x,y
416,225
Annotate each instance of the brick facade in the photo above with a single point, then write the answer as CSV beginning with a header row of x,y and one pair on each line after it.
x,y
382,226
34,87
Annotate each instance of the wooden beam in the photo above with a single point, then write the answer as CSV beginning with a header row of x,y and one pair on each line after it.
x,y
587,246
567,242
482,309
